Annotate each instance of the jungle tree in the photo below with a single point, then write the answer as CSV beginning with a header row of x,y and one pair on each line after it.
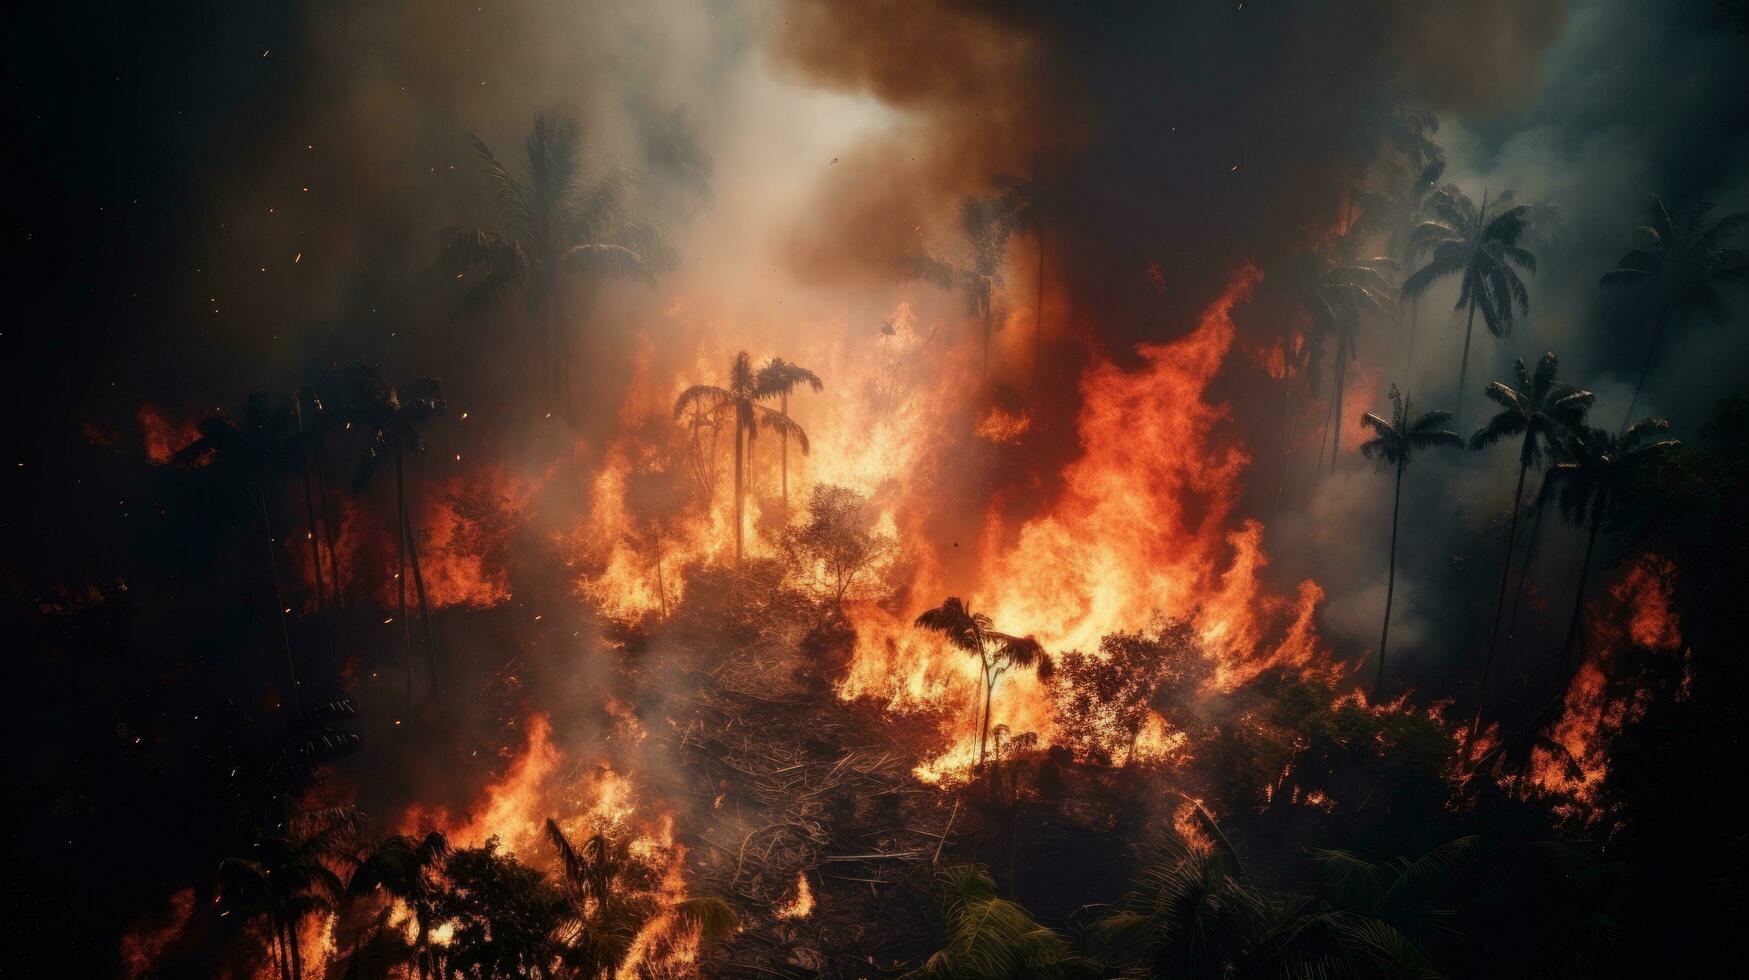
x,y
1396,442
997,652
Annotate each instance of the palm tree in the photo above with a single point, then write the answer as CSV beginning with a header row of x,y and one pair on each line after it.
x,y
1462,240
997,652
287,877
1542,410
554,230
406,868
986,223
1592,484
1399,438
1684,258
604,920
393,418
254,451
1032,205
315,421
741,400
1339,299
779,377
991,938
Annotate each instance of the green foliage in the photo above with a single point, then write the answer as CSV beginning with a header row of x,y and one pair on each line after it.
x,y
991,938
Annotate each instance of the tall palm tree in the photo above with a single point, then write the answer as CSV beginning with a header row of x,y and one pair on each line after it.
x,y
393,418
288,876
741,401
1592,484
997,652
986,223
554,229
779,377
254,452
1397,441
1461,240
1541,410
1340,298
315,421
1685,259
1032,205
407,869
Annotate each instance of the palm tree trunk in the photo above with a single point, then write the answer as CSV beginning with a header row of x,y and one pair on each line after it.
x,y
984,727
291,662
1336,410
297,953
1500,601
1038,312
1536,524
1464,363
310,515
1645,369
783,409
1378,686
419,592
281,954
1324,439
328,525
740,490
401,574
1579,596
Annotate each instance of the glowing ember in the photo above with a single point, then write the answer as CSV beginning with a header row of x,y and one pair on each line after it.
x,y
800,906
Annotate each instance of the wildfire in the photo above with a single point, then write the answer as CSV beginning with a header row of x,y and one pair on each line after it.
x,y
1142,526
802,905
164,437
1577,762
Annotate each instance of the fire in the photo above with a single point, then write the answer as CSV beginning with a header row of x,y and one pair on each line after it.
x,y
541,782
164,437
141,946
1003,427
1639,614
802,905
1143,526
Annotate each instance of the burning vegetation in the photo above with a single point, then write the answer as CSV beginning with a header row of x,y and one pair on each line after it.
x,y
952,565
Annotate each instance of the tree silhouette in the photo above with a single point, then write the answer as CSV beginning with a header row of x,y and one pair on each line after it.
x,y
554,229
1593,483
1032,205
288,876
1541,410
997,652
393,418
1684,259
986,223
1339,298
779,377
740,400
1397,441
408,869
1462,240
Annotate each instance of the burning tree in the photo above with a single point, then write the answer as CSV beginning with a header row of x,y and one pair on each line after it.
x,y
1104,700
740,400
837,552
997,652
